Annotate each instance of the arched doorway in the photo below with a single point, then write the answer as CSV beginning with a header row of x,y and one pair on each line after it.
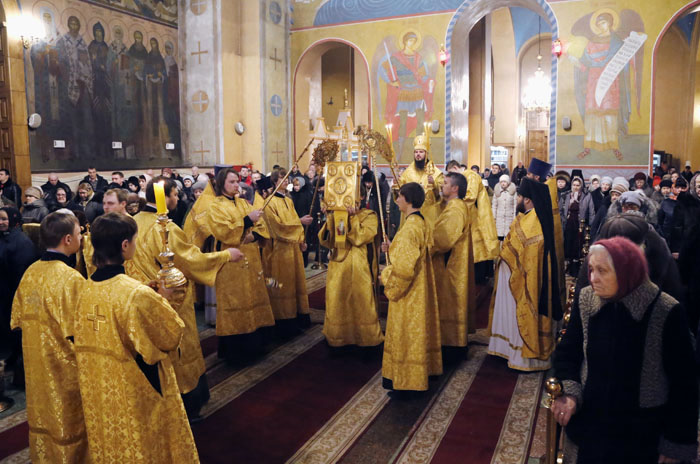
x,y
323,71
675,121
457,85
14,133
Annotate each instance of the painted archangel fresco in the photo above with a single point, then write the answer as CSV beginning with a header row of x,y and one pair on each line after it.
x,y
607,52
100,76
403,70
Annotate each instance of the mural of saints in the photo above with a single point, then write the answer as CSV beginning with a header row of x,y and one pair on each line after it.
x,y
599,37
44,59
407,72
75,92
91,91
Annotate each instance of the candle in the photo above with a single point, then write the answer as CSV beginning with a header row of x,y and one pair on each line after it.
x,y
388,133
159,192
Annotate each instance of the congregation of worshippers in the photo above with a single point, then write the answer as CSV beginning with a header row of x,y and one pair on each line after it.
x,y
594,280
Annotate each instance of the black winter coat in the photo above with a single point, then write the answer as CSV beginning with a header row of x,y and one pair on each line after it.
x,y
100,184
12,192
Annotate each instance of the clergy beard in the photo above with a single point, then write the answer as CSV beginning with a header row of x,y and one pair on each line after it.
x,y
419,164
520,208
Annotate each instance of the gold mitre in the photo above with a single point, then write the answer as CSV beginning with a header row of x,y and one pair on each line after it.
x,y
420,143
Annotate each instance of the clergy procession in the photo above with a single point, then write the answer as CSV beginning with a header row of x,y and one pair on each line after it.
x,y
110,348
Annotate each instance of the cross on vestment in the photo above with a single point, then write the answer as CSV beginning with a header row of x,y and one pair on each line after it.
x,y
96,318
276,59
199,52
201,151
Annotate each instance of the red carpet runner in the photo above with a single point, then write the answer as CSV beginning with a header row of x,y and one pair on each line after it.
x,y
285,409
474,431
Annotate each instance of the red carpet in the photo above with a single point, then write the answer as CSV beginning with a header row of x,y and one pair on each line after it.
x,y
317,299
286,409
474,431
14,440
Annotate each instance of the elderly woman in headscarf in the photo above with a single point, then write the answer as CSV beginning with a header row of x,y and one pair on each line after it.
x,y
626,365
635,201
663,270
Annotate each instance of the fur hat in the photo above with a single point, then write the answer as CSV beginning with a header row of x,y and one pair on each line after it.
x,y
666,183
504,178
630,197
640,176
621,181
606,180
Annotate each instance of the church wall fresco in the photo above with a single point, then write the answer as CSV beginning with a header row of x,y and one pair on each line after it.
x,y
616,129
102,75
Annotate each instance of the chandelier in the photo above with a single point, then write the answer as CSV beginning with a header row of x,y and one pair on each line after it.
x,y
537,94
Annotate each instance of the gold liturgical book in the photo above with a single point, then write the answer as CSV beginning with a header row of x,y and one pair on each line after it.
x,y
342,192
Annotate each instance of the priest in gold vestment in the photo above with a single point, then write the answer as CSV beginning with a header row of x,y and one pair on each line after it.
x,y
242,303
44,309
124,333
423,171
450,260
483,244
290,302
412,341
199,267
525,304
351,316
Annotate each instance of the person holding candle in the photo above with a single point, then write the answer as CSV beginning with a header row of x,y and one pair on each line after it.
x,y
423,171
125,337
161,196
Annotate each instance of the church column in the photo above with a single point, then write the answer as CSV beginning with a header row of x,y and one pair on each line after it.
x,y
241,76
201,102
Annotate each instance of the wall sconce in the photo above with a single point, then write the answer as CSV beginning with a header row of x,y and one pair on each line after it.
x,y
27,28
557,48
443,55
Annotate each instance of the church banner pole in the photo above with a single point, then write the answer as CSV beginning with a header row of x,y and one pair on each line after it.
x,y
277,187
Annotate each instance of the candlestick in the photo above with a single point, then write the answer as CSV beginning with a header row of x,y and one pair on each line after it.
x,y
159,192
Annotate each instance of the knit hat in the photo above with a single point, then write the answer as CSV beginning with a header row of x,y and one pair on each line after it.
x,y
666,183
619,188
681,182
504,178
606,180
199,185
35,192
657,181
631,198
687,164
621,181
629,262
184,178
594,177
640,176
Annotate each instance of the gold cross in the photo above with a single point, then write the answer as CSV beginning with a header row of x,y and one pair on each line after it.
x,y
201,151
276,59
200,101
96,318
199,52
198,6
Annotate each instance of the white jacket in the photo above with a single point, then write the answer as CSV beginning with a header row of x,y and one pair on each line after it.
x,y
503,205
